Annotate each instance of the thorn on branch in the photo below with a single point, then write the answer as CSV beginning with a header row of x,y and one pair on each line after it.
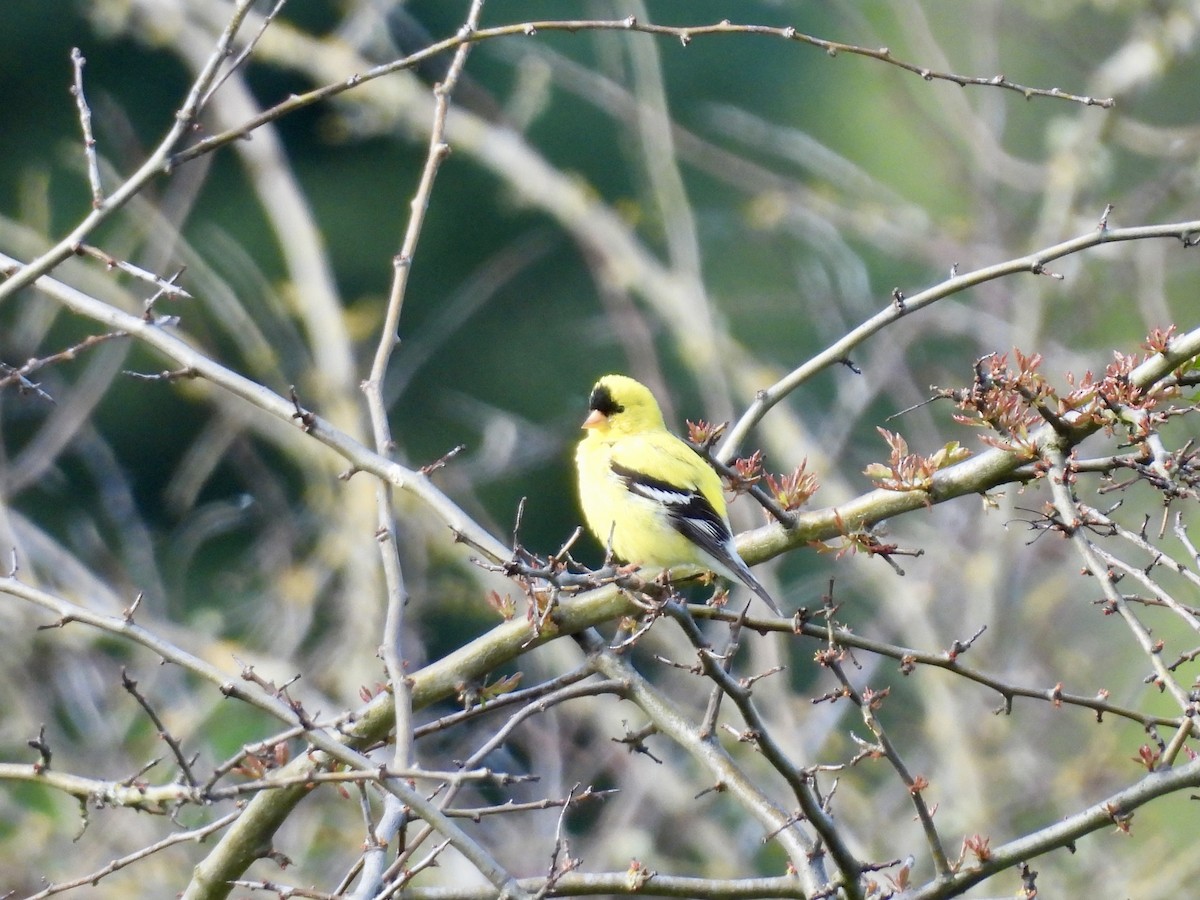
x,y
635,741
165,375
135,780
62,622
793,819
39,744
441,461
748,681
745,736
516,531
128,612
278,857
939,395
308,421
960,647
1039,268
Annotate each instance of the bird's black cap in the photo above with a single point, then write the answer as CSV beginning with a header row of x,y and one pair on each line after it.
x,y
602,401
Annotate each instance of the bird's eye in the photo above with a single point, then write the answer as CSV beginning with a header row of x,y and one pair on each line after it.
x,y
602,401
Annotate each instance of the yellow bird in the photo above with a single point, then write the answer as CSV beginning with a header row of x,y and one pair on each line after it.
x,y
653,496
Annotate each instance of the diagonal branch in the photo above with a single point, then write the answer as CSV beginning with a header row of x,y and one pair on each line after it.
x,y
837,353
154,165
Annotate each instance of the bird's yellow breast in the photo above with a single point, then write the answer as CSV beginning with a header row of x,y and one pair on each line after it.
x,y
638,528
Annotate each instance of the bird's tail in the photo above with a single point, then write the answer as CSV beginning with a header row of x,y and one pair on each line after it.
x,y
746,577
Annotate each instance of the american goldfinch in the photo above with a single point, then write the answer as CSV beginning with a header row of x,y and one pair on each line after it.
x,y
650,494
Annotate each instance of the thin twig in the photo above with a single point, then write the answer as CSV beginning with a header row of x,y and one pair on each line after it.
x,y
834,354
684,33
153,167
195,834
19,376
184,766
85,124
164,286
243,54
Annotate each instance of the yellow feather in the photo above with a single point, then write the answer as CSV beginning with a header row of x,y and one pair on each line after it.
x,y
630,469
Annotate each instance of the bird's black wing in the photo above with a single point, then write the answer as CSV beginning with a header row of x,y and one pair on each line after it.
x,y
688,510
694,517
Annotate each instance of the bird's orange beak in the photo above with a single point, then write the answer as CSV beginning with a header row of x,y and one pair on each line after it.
x,y
595,419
